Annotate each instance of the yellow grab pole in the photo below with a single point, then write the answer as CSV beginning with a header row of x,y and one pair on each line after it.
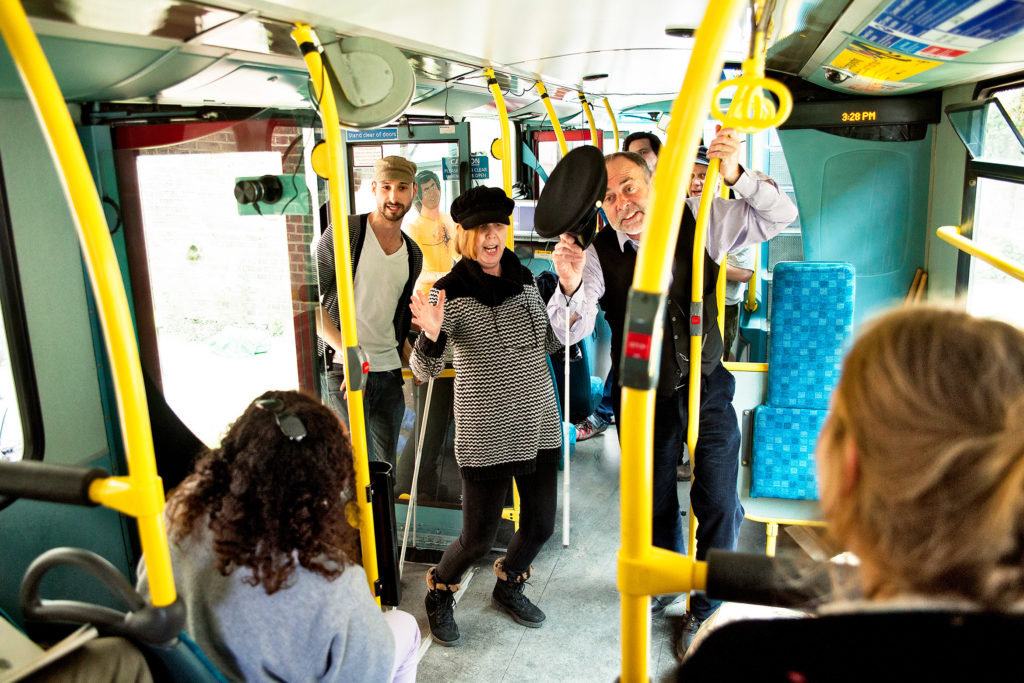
x,y
615,125
720,287
590,119
751,303
951,234
303,37
637,558
554,118
140,494
506,145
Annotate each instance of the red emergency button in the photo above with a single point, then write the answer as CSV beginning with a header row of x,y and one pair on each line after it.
x,y
366,367
638,345
695,320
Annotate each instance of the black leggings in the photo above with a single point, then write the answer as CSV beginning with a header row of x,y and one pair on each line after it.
x,y
482,504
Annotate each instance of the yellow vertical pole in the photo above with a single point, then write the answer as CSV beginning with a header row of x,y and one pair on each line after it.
x,y
653,269
615,125
140,494
554,118
506,181
303,36
590,120
506,144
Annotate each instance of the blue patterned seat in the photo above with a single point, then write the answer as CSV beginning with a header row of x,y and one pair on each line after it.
x,y
811,323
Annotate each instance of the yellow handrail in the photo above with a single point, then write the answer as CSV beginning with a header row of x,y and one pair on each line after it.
x,y
140,494
590,119
506,145
951,234
303,36
642,568
615,125
751,302
554,118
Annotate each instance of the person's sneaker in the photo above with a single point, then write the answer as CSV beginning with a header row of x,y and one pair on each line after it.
x,y
689,631
684,472
590,427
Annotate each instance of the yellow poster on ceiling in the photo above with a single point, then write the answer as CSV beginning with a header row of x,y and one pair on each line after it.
x,y
869,61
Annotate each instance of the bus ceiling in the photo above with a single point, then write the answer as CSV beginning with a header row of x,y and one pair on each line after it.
x,y
177,52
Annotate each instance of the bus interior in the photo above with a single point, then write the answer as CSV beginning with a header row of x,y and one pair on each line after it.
x,y
181,107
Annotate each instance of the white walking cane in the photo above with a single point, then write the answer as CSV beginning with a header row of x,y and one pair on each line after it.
x,y
415,477
565,440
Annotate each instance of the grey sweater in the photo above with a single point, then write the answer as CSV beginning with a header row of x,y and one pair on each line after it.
x,y
314,630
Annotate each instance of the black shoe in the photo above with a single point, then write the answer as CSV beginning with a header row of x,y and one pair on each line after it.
x,y
440,605
659,603
508,595
689,631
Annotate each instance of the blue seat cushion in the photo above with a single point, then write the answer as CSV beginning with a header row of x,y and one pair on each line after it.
x,y
812,320
783,453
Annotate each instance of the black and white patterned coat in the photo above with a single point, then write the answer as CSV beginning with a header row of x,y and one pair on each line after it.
x,y
505,405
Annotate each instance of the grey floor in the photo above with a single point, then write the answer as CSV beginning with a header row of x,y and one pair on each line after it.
x,y
575,586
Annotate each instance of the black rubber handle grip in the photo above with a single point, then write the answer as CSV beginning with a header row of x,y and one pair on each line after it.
x,y
52,483
778,582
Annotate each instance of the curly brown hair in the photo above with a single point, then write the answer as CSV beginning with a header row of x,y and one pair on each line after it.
x,y
272,501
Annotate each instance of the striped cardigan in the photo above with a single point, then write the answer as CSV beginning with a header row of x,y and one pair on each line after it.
x,y
505,405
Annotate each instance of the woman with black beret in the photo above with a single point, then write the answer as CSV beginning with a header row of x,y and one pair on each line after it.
x,y
507,422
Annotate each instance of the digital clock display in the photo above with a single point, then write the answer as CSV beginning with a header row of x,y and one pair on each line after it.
x,y
859,116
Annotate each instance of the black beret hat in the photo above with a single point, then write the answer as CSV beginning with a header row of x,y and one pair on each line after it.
x,y
479,205
572,196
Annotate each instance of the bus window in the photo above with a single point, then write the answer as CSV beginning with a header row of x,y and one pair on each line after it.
x,y
21,427
990,292
11,441
996,228
226,288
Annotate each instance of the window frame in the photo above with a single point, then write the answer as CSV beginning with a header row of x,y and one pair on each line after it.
x,y
17,338
976,170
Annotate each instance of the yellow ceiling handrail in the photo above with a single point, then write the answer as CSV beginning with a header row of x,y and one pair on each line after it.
x,y
554,118
303,36
951,234
590,119
615,125
506,145
140,494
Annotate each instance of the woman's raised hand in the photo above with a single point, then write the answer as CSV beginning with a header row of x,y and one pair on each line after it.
x,y
428,317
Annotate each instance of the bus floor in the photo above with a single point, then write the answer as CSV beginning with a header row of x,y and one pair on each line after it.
x,y
574,586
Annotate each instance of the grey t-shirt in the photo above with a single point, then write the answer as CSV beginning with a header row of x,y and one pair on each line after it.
x,y
314,630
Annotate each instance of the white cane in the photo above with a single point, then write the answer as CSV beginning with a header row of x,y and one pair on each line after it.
x,y
415,477
565,441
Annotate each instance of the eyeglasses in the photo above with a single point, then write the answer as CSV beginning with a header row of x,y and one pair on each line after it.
x,y
290,425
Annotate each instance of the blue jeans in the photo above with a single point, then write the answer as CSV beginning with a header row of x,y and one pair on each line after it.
x,y
383,409
604,409
713,495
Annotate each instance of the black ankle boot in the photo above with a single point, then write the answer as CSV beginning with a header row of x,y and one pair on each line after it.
x,y
440,604
508,594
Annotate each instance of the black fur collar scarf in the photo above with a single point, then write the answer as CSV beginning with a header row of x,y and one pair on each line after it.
x,y
467,278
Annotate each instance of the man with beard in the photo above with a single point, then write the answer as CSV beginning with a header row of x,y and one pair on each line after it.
x,y
385,265
433,230
602,276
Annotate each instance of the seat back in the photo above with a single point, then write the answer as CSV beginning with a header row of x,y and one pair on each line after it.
x,y
811,323
867,646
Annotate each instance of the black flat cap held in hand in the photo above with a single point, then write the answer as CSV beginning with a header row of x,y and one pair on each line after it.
x,y
572,195
479,205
